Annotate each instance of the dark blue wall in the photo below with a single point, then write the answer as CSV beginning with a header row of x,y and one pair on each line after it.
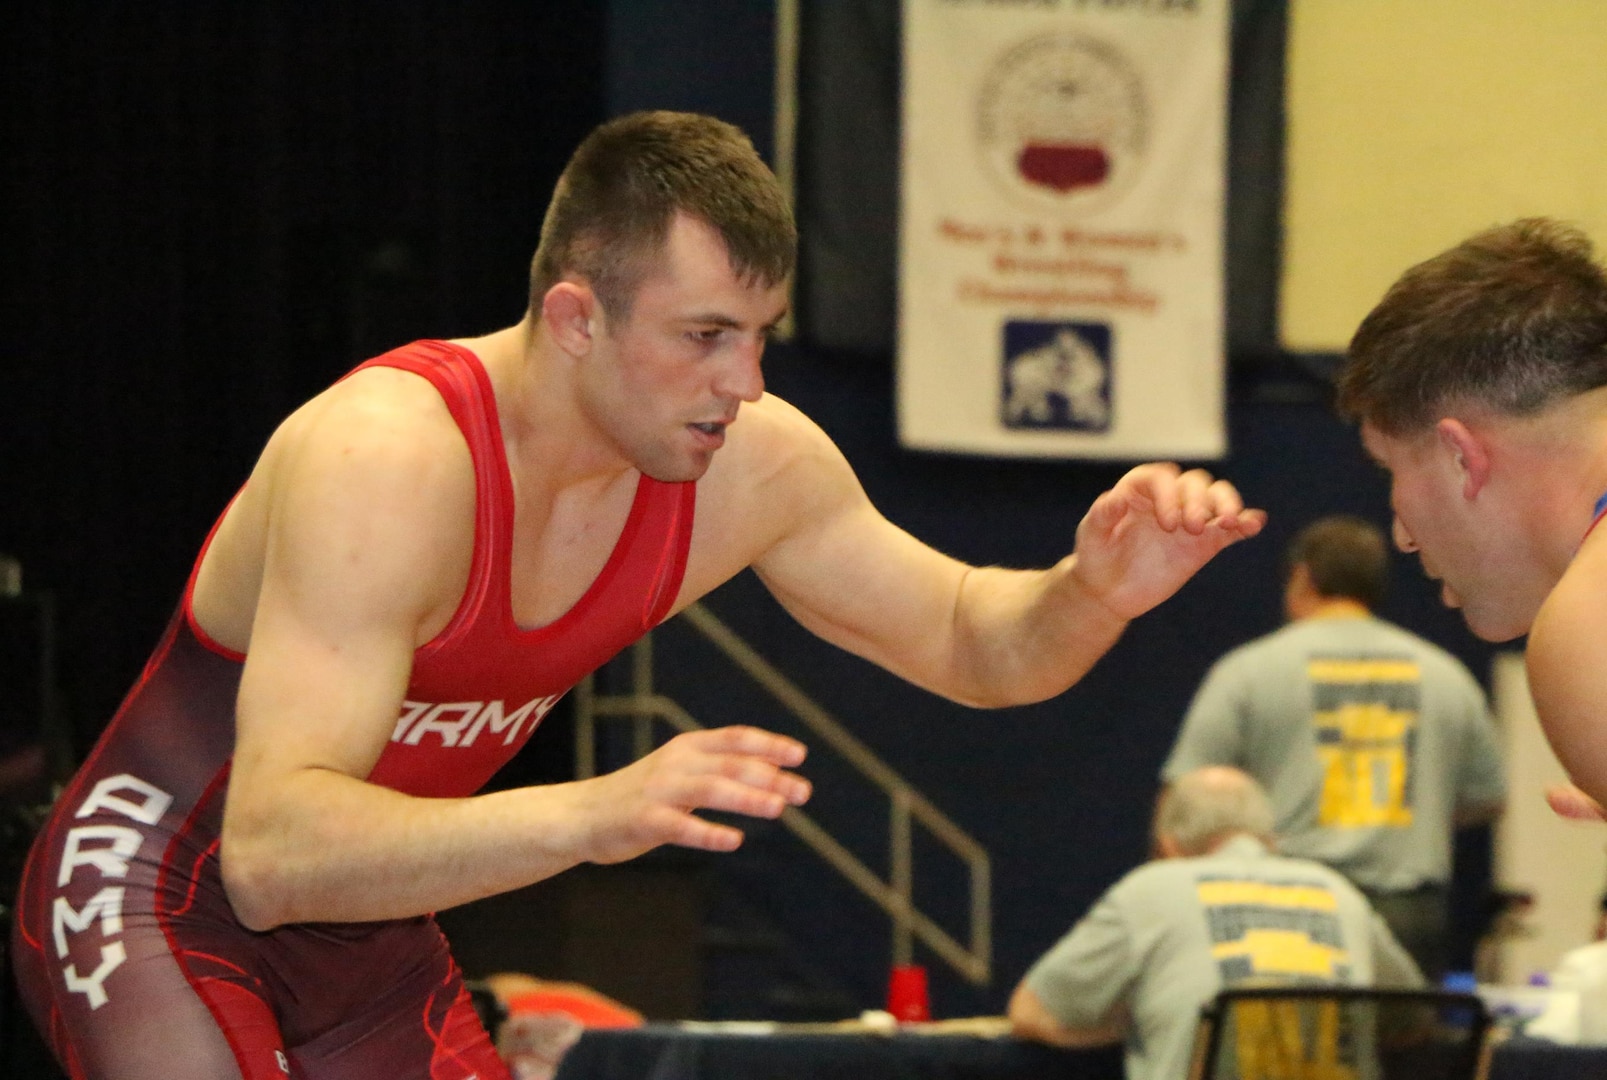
x,y
714,56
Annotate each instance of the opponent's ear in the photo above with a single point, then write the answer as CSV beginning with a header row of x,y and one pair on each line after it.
x,y
569,309
1470,452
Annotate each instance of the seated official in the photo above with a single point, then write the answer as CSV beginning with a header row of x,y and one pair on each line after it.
x,y
1218,908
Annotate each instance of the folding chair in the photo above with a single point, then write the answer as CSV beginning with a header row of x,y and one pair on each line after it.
x,y
1341,1033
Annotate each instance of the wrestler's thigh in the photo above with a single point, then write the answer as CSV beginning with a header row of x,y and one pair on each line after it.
x,y
423,1027
150,1022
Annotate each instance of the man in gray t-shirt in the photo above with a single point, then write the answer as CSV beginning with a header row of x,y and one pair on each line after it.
x,y
1373,743
1218,908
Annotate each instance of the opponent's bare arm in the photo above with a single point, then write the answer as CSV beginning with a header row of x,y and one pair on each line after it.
x,y
1568,679
359,526
984,636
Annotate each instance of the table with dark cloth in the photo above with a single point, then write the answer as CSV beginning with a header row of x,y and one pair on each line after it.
x,y
1537,1059
669,1052
673,1052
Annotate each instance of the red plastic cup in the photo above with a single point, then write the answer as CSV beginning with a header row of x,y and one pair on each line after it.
x,y
906,993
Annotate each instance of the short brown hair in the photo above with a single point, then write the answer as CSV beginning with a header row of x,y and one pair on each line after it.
x,y
611,211
1514,319
1346,557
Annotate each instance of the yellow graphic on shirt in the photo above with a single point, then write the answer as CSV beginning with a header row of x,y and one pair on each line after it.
x,y
1281,1040
1277,930
1365,714
1224,892
1280,932
1287,952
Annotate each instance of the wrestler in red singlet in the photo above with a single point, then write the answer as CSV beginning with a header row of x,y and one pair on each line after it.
x,y
127,951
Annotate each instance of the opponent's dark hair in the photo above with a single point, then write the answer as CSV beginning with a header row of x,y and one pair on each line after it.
x,y
1512,319
611,211
1346,557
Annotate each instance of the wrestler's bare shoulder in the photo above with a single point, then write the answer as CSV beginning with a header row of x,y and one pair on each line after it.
x,y
381,406
777,472
1572,617
376,457
775,458
379,430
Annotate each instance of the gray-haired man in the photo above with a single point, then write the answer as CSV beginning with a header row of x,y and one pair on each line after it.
x,y
1218,908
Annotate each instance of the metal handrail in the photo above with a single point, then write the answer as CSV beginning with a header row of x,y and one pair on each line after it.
x,y
907,806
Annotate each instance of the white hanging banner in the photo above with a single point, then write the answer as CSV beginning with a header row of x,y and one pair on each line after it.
x,y
1060,269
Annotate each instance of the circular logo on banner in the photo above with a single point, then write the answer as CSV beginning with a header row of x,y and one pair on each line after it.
x,y
1061,123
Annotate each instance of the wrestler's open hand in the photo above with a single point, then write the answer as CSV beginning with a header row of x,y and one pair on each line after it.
x,y
1145,537
741,770
1569,802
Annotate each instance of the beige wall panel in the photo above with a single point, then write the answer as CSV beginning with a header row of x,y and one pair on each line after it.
x,y
1413,123
1560,863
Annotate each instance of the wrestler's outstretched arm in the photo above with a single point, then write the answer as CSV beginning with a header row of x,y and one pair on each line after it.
x,y
360,508
983,636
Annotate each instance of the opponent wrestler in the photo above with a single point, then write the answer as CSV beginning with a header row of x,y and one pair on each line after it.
x,y
425,558
1480,381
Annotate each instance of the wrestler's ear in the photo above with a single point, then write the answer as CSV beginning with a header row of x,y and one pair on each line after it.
x,y
570,311
1469,450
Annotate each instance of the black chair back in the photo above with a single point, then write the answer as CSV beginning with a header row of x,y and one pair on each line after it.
x,y
1342,1033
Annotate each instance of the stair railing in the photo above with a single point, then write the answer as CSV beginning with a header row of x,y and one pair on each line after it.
x,y
907,806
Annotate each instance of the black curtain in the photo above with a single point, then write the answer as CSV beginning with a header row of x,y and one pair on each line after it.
x,y
210,212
